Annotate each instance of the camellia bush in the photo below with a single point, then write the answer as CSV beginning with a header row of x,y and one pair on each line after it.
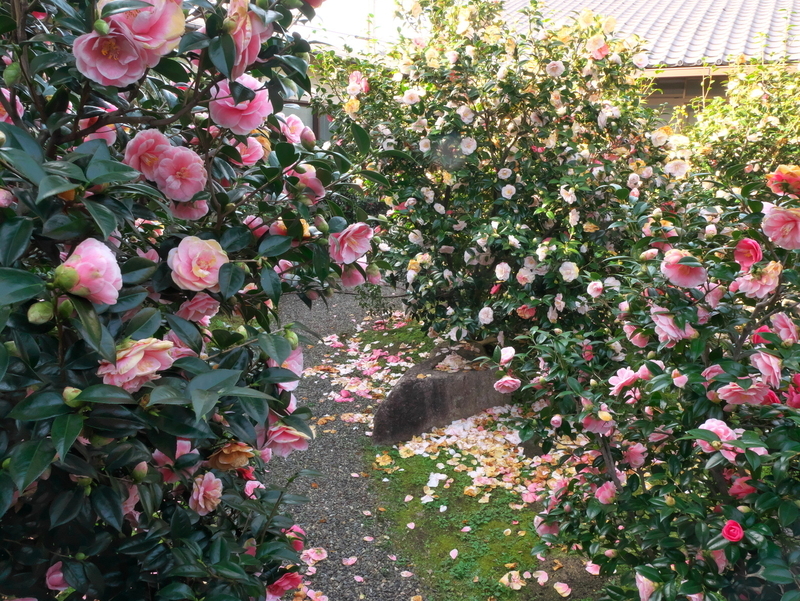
x,y
156,204
635,286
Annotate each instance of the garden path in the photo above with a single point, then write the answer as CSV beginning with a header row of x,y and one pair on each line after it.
x,y
336,516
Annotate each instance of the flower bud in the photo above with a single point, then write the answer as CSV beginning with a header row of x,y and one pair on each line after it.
x,y
241,330
12,74
610,553
65,308
228,25
244,267
11,347
100,441
605,416
558,331
41,312
101,27
66,278
328,292
669,501
307,138
656,214
140,471
292,338
80,556
5,463
744,509
69,394
321,224
716,444
592,383
556,421
651,355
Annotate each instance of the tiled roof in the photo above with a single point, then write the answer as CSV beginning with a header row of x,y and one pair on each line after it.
x,y
693,32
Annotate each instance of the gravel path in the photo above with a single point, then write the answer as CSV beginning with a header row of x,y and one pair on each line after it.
x,y
335,518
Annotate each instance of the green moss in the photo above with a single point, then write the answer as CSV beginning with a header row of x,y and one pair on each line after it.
x,y
410,337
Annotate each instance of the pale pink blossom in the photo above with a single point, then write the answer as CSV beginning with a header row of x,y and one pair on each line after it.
x,y
249,33
4,116
724,433
256,225
284,440
734,394
358,79
624,377
350,244
646,587
7,198
680,380
543,528
740,488
485,315
563,589
352,276
251,152
667,330
761,284
507,354
507,384
190,211
784,180
785,328
92,271
200,308
144,152
294,363
769,366
113,59
291,127
243,117
747,253
502,271
107,133
206,494
308,183
180,173
607,493
195,264
554,68
782,225
678,274
569,271
635,455
250,488
635,336
595,289
138,362
513,580
157,30
541,577
165,463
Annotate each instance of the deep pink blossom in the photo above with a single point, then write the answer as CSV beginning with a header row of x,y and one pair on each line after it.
x,y
243,117
54,578
624,377
180,173
4,116
200,308
678,274
747,253
734,394
114,59
144,152
350,244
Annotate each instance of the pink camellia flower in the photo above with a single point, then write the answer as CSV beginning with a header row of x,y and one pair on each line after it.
x,y
783,227
7,198
251,153
201,308
144,152
294,363
741,488
595,289
646,587
190,211
91,271
287,582
597,47
785,180
114,59
195,264
724,433
734,394
352,277
679,379
291,127
137,363
667,330
543,528
206,494
157,30
180,173
785,328
284,440
637,338
350,244
635,455
250,488
526,312
507,354
507,384
710,373
107,133
714,294
747,253
249,33
308,183
4,116
296,536
761,284
243,117
165,463
769,366
594,424
256,225
502,271
556,421
308,138
607,493
357,84
563,589
624,377
54,578
678,274
733,531
756,339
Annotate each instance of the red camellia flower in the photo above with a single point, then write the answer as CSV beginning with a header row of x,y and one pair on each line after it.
x,y
733,531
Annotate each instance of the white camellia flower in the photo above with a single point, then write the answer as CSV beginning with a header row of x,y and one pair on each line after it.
x,y
439,208
468,146
640,60
504,173
460,225
415,237
595,289
554,68
513,242
677,168
466,114
659,137
424,144
486,315
568,195
502,271
508,191
574,217
569,271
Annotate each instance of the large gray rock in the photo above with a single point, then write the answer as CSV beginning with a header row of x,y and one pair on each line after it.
x,y
426,397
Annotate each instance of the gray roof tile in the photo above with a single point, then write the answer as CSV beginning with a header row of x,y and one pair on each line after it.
x,y
692,32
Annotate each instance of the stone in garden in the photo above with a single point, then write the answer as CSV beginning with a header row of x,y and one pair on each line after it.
x,y
446,387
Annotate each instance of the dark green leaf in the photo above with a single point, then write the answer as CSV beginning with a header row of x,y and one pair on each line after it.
x,y
286,153
102,216
29,459
241,93
19,160
105,395
6,493
274,246
650,573
778,575
222,52
186,331
144,324
193,40
137,270
271,284
176,591
39,406
788,513
50,185
17,286
361,137
104,172
15,235
19,138
95,334
3,361
236,239
337,224
172,69
121,6
108,506
276,347
65,431
216,380
231,279
376,177
66,507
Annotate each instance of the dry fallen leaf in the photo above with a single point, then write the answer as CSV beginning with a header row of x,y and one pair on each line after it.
x,y
511,566
557,565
